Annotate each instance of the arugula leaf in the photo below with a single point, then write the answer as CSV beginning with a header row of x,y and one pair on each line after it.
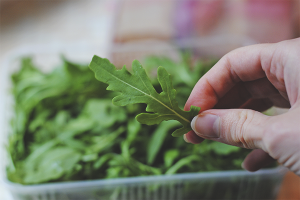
x,y
52,165
137,88
181,163
223,149
157,139
170,156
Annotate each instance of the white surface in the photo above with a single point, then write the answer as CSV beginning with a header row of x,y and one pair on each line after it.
x,y
65,23
55,22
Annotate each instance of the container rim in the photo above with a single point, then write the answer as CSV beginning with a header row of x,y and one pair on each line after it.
x,y
16,187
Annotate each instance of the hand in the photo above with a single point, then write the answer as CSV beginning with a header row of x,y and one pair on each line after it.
x,y
245,81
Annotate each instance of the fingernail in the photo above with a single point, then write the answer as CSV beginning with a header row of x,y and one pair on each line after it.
x,y
206,125
185,139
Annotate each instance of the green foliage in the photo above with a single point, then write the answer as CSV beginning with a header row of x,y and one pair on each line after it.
x,y
137,88
65,127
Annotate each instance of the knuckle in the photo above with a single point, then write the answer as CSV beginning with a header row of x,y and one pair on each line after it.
x,y
240,127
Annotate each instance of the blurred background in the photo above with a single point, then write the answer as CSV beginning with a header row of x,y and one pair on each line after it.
x,y
103,22
219,26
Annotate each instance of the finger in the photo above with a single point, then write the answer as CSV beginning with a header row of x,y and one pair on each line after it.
x,y
256,160
191,137
244,91
235,97
264,104
280,101
241,65
238,127
258,104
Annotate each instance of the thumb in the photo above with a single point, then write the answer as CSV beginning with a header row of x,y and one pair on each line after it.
x,y
238,127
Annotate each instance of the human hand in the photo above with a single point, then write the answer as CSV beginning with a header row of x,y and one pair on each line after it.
x,y
245,81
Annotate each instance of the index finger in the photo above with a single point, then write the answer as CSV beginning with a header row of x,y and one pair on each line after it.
x,y
243,64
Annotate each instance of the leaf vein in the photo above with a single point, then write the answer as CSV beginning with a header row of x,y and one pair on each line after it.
x,y
144,83
152,98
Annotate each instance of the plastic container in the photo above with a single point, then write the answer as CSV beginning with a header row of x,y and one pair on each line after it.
x,y
263,184
213,185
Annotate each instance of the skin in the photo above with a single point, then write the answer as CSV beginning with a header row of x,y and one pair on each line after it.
x,y
243,82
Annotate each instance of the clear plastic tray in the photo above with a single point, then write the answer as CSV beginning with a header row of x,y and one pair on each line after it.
x,y
213,185
263,184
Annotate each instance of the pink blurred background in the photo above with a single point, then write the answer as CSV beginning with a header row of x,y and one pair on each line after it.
x,y
260,20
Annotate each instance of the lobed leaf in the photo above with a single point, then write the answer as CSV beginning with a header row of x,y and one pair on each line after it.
x,y
137,88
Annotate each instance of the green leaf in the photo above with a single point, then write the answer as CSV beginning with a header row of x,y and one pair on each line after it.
x,y
104,141
133,128
181,163
223,149
103,112
38,153
129,167
54,164
170,156
158,138
137,88
103,159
